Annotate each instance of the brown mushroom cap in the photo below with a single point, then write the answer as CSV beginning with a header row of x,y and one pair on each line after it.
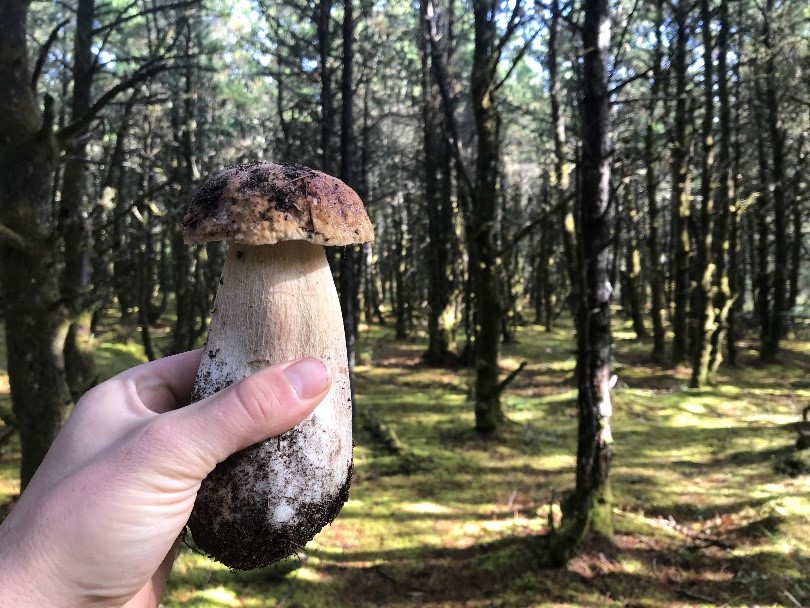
x,y
264,203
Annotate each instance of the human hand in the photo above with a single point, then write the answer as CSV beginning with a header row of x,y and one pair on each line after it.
x,y
99,522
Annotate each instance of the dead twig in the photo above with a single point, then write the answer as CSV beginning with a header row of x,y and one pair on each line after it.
x,y
691,595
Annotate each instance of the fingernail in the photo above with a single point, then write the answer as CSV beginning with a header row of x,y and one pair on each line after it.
x,y
309,377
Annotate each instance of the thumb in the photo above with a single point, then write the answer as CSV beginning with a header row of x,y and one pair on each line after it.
x,y
266,404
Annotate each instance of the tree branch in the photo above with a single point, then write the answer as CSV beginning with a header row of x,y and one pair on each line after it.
x,y
528,228
70,131
440,71
43,53
564,16
11,239
619,46
517,59
123,17
515,19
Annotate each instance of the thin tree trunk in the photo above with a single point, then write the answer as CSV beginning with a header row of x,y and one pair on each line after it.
x,y
777,141
739,263
439,211
704,313
348,280
560,178
727,225
484,262
184,334
632,274
680,192
588,510
763,308
80,346
798,237
324,15
655,271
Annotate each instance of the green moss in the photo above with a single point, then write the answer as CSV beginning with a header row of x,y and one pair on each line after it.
x,y
458,520
115,357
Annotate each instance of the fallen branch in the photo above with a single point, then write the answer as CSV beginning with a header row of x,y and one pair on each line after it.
x,y
695,596
789,595
383,434
671,524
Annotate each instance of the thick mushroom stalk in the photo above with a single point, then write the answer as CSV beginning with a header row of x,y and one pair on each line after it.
x,y
275,303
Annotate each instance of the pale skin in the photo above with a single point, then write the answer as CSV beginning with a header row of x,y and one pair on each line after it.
x,y
99,523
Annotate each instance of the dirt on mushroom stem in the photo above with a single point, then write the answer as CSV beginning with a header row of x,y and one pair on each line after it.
x,y
276,303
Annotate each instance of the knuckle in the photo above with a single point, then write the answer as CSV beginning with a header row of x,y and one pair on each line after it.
x,y
258,399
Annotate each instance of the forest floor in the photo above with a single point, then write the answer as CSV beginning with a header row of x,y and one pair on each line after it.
x,y
711,508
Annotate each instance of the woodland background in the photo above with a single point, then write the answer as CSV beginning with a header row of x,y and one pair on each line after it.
x,y
580,208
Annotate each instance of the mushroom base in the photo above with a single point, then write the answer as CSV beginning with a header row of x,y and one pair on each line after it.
x,y
251,541
275,303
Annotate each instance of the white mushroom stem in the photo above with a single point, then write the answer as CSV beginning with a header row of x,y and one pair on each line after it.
x,y
278,303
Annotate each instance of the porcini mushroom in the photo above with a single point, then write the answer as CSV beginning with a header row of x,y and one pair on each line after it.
x,y
276,302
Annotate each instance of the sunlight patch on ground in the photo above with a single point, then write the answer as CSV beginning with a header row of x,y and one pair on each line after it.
x,y
221,595
426,508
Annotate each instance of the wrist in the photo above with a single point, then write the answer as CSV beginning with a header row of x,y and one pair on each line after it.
x,y
19,588
25,578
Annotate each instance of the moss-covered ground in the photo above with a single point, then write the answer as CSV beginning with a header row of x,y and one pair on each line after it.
x,y
705,512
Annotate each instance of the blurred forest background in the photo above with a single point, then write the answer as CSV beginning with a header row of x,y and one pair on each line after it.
x,y
580,207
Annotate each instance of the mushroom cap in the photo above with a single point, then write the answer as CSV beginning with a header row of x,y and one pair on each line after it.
x,y
264,203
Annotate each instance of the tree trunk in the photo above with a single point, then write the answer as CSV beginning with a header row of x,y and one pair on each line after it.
x,y
763,276
632,274
798,238
654,249
484,262
74,225
439,212
588,510
184,334
348,281
680,192
560,178
400,259
777,141
36,321
705,323
323,24
726,226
